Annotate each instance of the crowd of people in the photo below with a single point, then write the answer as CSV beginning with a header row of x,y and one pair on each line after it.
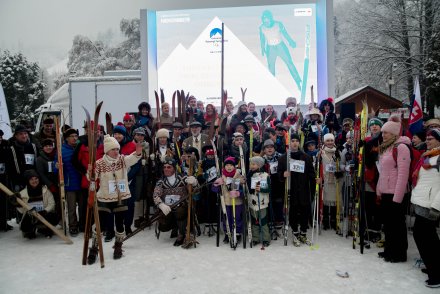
x,y
239,165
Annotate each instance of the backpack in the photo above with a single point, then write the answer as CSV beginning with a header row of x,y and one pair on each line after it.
x,y
415,157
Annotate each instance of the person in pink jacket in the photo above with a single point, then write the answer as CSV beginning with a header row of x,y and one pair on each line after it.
x,y
392,188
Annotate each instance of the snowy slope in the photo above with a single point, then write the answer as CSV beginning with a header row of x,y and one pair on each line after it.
x,y
155,266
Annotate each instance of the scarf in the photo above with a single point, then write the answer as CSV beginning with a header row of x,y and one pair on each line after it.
x,y
35,193
386,145
424,163
228,174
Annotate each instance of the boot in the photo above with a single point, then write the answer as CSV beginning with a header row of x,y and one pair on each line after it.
x,y
295,239
303,239
93,251
117,253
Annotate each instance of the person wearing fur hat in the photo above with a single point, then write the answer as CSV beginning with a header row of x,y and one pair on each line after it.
x,y
426,201
290,103
418,141
113,194
271,156
166,120
329,156
20,156
232,180
169,189
259,188
331,122
39,197
391,189
312,125
302,188
196,139
144,118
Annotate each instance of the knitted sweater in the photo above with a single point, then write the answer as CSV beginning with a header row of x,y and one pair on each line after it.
x,y
427,191
113,179
164,188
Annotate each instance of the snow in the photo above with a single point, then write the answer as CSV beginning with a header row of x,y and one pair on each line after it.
x,y
156,266
60,67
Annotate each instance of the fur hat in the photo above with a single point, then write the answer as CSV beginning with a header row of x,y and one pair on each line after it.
x,y
393,125
69,132
110,143
290,100
47,142
120,130
258,160
144,105
375,121
243,124
432,121
20,129
313,111
295,136
329,136
30,173
268,142
236,135
230,160
162,133
348,121
434,133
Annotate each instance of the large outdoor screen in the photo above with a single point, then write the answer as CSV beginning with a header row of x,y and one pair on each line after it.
x,y
270,50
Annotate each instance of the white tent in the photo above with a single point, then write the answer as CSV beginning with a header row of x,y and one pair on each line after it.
x,y
5,124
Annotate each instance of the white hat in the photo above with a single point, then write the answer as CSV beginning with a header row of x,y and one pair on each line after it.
x,y
329,136
163,133
110,143
314,111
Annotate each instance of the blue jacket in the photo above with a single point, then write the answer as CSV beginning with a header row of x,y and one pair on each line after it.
x,y
72,178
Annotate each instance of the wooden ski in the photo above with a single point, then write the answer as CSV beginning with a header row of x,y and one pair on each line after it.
x,y
61,173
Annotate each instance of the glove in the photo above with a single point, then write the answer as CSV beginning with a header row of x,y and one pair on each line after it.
x,y
234,194
218,182
339,174
165,208
191,180
434,214
152,156
13,199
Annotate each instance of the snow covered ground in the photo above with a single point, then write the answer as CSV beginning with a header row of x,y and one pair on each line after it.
x,y
155,266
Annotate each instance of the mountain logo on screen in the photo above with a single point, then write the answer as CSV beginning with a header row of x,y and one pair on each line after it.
x,y
215,33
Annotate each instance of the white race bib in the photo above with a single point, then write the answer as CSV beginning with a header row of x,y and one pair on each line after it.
x,y
29,159
330,168
112,186
314,128
171,199
212,173
297,166
2,168
38,205
254,181
273,167
228,181
49,166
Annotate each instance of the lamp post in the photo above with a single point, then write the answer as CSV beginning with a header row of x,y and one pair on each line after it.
x,y
393,66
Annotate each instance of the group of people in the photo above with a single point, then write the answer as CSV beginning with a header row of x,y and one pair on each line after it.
x,y
240,166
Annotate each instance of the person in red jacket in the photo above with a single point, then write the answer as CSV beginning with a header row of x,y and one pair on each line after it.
x,y
391,188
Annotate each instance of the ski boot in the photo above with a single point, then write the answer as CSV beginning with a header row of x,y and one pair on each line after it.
x,y
93,251
117,253
303,239
295,237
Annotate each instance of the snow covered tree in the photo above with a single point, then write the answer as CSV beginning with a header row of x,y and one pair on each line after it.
x,y
22,83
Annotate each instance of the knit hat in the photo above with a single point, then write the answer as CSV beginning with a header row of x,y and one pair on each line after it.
x,y
295,136
127,116
421,135
306,144
110,143
258,160
241,103
230,160
268,142
432,121
162,133
329,136
280,126
139,131
69,132
236,135
434,133
120,130
28,174
47,142
208,150
20,129
393,125
375,121
290,100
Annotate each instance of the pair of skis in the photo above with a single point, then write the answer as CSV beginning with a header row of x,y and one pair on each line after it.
x,y
61,173
92,203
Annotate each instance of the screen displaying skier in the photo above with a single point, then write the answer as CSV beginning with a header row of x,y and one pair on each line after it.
x,y
270,50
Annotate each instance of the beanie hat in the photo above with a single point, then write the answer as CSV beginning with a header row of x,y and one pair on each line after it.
x,y
434,133
290,100
309,143
230,160
375,121
421,135
30,173
162,133
295,136
258,160
268,142
120,130
20,129
69,132
329,136
47,142
127,116
110,143
393,125
236,135
241,103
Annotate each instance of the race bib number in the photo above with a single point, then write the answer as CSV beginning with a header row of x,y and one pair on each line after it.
x,y
314,128
112,186
297,166
38,205
273,167
49,166
330,168
228,181
2,168
29,159
254,181
171,199
212,173
263,184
